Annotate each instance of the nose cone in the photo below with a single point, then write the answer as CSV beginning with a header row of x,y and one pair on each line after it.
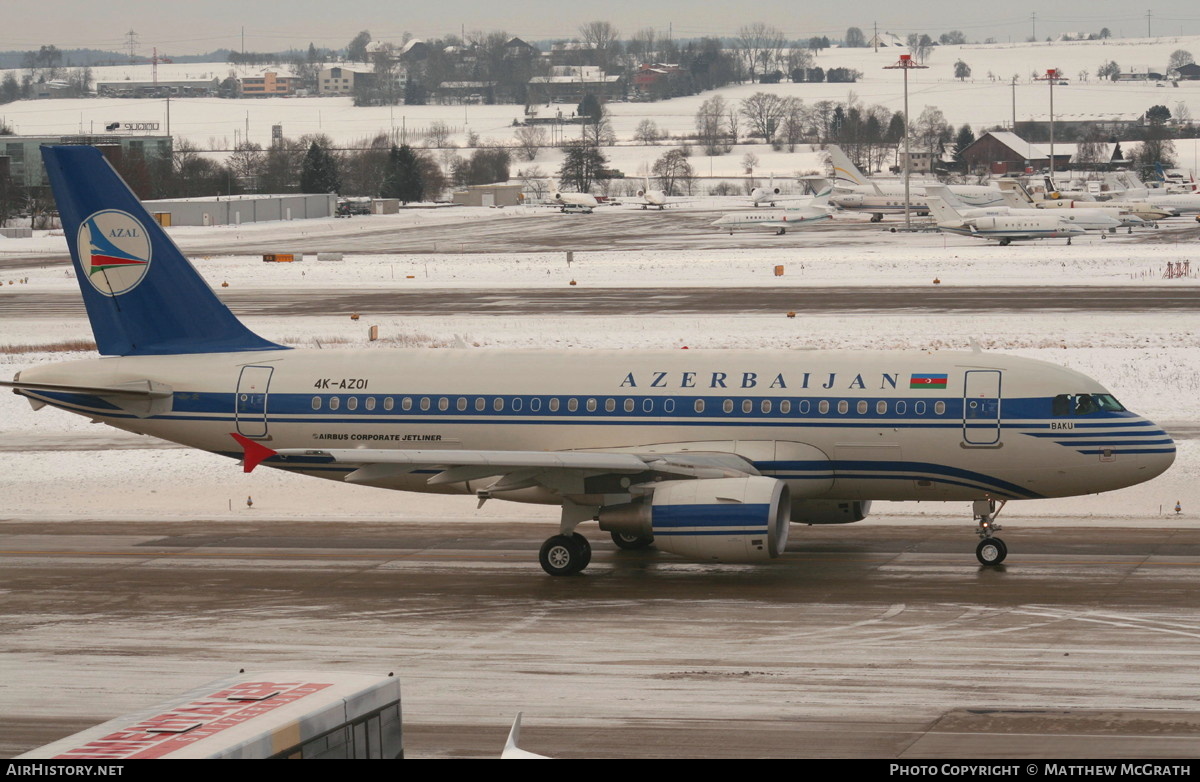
x,y
1158,457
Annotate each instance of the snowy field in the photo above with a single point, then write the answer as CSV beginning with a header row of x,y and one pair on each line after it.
x,y
982,101
58,466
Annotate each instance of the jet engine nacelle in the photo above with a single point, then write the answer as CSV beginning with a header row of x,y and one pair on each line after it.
x,y
830,511
722,519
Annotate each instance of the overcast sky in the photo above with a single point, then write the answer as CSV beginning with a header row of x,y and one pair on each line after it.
x,y
204,25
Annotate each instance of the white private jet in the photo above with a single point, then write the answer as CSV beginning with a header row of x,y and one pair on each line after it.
x,y
584,201
656,198
1017,196
1087,219
707,454
1003,228
779,220
856,192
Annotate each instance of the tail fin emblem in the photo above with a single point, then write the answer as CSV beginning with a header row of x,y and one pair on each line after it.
x,y
114,251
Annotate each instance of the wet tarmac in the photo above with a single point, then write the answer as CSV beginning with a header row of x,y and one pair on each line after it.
x,y
862,641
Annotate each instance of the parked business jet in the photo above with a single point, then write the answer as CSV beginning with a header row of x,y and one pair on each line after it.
x,y
656,198
584,200
815,210
1003,228
707,454
1087,219
856,192
1016,196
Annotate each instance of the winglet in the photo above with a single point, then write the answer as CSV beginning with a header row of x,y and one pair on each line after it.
x,y
511,750
254,453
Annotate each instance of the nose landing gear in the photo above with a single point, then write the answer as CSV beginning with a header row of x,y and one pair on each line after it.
x,y
991,550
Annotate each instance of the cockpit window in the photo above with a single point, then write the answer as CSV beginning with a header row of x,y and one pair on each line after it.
x,y
1085,404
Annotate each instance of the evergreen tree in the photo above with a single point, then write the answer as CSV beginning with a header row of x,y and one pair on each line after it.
x,y
964,139
319,173
583,165
403,176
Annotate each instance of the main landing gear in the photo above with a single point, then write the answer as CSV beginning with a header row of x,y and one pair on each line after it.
x,y
991,550
565,555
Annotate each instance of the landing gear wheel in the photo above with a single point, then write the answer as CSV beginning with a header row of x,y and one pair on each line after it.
x,y
632,542
991,551
585,547
562,555
876,218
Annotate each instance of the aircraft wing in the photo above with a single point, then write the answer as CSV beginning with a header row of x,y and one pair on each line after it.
x,y
527,467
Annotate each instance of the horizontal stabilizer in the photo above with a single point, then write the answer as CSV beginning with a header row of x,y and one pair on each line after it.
x,y
140,397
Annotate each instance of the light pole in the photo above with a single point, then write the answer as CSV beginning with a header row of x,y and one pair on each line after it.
x,y
1051,76
906,64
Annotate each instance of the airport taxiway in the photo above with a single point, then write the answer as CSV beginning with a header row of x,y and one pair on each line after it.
x,y
863,641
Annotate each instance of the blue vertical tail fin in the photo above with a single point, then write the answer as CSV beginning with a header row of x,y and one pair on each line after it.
x,y
142,295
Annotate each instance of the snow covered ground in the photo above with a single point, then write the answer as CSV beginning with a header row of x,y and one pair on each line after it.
x,y
58,466
985,100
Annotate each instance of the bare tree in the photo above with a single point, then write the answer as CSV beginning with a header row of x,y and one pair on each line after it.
x,y
673,170
764,111
794,119
438,134
531,138
602,37
709,121
646,132
641,48
1178,59
533,179
760,46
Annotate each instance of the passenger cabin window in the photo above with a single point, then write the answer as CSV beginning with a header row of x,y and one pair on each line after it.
x,y
785,407
352,403
406,403
699,406
727,406
316,403
939,408
334,403
629,405
862,407
843,407
388,403
370,403
823,406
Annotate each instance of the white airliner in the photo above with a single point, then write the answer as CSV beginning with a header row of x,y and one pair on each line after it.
x,y
856,192
708,454
779,220
1003,228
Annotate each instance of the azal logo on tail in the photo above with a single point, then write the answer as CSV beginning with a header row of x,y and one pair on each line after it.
x,y
115,251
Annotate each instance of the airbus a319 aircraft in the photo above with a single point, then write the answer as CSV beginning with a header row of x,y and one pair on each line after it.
x,y
708,454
